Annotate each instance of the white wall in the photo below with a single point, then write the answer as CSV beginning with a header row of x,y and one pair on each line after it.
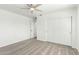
x,y
74,27
77,27
42,23
76,16
13,28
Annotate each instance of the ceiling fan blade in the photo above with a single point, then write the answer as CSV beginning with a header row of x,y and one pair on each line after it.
x,y
25,8
38,10
29,5
37,6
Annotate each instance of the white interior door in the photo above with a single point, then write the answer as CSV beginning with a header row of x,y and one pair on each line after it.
x,y
59,30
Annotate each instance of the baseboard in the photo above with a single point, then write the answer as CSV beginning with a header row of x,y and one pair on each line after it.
x,y
17,42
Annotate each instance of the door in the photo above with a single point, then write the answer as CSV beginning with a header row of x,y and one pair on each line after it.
x,y
59,30
31,24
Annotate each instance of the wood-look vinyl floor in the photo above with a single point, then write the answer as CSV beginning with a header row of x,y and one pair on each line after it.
x,y
36,47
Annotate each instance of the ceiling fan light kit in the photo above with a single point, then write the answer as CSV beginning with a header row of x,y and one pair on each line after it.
x,y
32,9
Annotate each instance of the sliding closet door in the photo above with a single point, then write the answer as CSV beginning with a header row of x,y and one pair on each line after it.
x,y
59,30
54,29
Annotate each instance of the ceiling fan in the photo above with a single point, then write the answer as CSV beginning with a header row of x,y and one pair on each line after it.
x,y
32,7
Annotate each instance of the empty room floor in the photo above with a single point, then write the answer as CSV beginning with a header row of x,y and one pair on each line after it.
x,y
36,47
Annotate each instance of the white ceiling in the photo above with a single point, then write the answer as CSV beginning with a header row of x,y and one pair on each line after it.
x,y
52,7
16,8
